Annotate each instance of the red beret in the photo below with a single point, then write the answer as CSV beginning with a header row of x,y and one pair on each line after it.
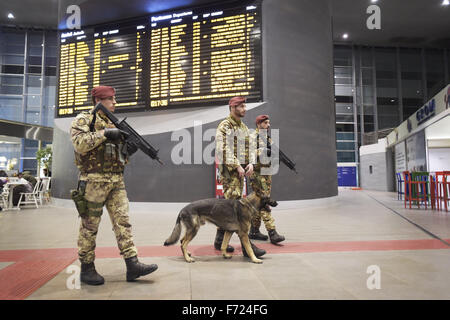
x,y
236,101
261,118
103,92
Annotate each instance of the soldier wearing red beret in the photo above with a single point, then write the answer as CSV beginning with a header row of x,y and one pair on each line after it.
x,y
262,184
98,145
234,164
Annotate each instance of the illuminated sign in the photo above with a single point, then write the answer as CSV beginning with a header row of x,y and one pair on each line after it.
x,y
101,56
207,56
194,57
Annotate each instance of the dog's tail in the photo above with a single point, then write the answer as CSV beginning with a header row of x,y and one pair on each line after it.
x,y
175,233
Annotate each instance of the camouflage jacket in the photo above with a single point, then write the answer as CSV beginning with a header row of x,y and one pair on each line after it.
x,y
233,144
261,146
96,157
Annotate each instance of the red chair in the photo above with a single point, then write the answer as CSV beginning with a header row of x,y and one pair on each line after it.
x,y
442,189
407,179
416,188
433,191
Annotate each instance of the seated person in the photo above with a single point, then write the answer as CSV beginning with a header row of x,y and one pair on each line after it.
x,y
47,173
27,176
3,179
25,186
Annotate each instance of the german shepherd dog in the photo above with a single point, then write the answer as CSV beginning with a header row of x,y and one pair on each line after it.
x,y
228,214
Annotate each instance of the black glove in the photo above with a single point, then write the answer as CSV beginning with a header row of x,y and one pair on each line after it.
x,y
115,134
131,148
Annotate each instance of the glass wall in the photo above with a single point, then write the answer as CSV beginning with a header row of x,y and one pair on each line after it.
x,y
12,57
366,90
435,71
388,111
345,122
27,86
27,76
412,80
49,86
377,88
9,155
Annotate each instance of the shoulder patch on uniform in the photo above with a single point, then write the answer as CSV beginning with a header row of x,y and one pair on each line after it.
x,y
81,121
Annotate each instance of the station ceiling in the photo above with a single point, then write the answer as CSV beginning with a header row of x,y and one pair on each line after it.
x,y
413,23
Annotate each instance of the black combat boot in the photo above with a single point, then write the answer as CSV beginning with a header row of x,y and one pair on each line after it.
x,y
275,237
255,234
89,275
258,252
219,239
135,269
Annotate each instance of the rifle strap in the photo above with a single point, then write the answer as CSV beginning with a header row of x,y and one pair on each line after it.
x,y
92,124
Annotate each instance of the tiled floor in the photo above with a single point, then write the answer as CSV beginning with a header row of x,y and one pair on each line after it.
x,y
329,249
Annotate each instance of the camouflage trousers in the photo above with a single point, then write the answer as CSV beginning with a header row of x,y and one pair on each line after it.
x,y
262,186
232,185
114,196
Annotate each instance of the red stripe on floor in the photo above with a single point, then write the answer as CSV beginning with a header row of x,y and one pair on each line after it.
x,y
19,280
33,268
342,246
299,247
26,254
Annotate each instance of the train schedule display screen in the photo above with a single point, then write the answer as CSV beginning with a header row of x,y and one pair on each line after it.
x,y
101,56
191,57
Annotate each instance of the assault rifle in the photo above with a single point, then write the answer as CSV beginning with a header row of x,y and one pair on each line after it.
x,y
288,162
134,141
283,158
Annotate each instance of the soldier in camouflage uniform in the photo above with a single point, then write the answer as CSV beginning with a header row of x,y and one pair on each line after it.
x,y
262,184
99,157
233,151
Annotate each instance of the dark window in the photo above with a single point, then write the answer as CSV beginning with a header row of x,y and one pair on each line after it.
x,y
343,99
347,146
345,156
411,73
411,105
50,71
12,69
34,69
435,71
344,118
342,55
35,61
50,61
340,127
345,136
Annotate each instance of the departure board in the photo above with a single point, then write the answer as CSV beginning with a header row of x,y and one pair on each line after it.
x,y
189,57
200,56
101,56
